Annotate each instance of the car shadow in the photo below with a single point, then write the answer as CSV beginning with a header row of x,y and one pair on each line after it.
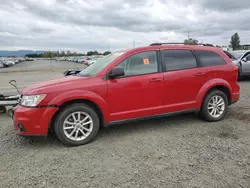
x,y
121,130
244,79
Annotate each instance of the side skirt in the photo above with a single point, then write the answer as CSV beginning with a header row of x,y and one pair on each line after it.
x,y
150,117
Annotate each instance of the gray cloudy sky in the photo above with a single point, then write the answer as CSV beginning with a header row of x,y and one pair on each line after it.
x,y
81,25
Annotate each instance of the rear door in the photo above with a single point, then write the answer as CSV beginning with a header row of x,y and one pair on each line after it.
x,y
139,92
182,79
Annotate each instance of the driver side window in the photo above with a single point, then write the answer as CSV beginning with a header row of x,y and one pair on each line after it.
x,y
141,63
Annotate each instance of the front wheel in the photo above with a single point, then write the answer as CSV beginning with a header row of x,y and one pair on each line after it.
x,y
215,106
77,124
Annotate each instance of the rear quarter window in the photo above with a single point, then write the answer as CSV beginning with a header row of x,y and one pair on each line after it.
x,y
209,58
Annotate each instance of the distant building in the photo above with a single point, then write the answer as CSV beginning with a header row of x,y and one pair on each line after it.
x,y
245,47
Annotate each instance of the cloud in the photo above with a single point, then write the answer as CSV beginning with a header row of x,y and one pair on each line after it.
x,y
83,25
226,5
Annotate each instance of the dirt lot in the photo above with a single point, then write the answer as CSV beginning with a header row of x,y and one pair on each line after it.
x,y
181,151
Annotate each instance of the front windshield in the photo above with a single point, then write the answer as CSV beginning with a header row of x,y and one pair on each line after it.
x,y
99,65
237,55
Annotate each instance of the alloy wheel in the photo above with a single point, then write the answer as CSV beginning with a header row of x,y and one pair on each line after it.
x,y
216,106
77,126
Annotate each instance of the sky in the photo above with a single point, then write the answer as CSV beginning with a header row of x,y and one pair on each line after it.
x,y
83,25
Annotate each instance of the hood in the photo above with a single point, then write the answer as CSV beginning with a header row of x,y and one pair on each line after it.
x,y
59,84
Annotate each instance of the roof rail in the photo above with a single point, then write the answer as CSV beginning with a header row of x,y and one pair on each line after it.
x,y
164,43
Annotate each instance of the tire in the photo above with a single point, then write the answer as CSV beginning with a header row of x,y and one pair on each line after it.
x,y
3,109
207,112
63,130
10,112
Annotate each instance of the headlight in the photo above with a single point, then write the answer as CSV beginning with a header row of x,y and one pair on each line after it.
x,y
32,100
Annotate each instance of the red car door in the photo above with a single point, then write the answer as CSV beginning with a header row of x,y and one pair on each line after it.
x,y
139,92
183,79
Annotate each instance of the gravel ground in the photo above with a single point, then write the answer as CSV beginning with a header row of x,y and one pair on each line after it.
x,y
180,151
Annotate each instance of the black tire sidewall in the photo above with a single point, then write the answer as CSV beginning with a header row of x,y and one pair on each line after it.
x,y
3,109
68,110
204,110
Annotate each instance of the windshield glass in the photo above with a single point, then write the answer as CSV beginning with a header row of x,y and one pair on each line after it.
x,y
100,64
237,55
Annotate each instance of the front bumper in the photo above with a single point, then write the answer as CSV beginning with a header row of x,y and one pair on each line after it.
x,y
33,121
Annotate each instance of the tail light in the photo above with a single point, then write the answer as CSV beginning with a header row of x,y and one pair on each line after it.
x,y
236,69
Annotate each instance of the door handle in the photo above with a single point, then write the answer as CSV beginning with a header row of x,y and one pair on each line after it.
x,y
155,80
200,73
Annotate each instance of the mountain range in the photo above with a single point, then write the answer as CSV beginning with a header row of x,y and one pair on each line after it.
x,y
5,53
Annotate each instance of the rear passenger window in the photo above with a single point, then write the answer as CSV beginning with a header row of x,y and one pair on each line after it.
x,y
208,58
178,60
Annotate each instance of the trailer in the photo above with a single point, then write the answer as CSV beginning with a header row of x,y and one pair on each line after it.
x,y
7,103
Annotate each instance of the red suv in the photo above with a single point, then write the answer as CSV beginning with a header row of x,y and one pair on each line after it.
x,y
152,81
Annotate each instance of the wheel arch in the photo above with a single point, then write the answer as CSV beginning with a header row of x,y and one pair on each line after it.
x,y
221,85
74,101
222,88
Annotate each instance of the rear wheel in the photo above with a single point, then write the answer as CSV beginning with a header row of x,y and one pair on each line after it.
x,y
77,124
215,106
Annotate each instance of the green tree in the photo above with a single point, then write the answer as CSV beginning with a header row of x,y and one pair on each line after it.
x,y
106,53
90,53
33,55
49,54
191,41
235,41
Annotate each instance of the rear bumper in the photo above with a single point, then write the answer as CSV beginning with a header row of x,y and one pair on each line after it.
x,y
235,92
33,121
235,97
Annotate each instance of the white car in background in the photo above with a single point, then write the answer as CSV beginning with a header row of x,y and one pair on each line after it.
x,y
90,62
1,64
10,62
241,58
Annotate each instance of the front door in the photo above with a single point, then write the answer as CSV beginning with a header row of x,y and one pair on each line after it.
x,y
139,92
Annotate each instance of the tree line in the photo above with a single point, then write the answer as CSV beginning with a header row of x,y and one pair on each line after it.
x,y
234,43
51,54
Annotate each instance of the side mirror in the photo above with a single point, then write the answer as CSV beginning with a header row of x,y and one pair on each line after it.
x,y
116,72
71,72
244,59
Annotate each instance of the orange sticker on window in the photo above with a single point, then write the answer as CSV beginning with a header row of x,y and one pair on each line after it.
x,y
146,61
